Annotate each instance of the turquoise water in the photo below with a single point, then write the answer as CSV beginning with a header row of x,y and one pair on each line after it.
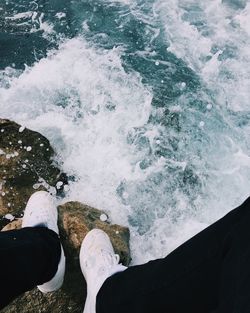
x,y
145,102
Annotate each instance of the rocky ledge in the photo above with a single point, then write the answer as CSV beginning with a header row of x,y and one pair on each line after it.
x,y
26,164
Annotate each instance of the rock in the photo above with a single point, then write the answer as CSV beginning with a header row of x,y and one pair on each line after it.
x,y
75,220
17,224
25,165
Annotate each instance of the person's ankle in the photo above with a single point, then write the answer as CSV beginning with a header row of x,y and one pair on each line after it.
x,y
98,262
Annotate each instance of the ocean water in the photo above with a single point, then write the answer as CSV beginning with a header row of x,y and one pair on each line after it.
x,y
146,102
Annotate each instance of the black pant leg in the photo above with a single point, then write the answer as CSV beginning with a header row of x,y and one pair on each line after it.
x,y
234,288
28,257
190,279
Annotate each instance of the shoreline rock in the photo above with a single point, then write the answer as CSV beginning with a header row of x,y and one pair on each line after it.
x,y
26,165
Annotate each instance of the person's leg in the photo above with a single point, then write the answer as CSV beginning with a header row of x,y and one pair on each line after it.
x,y
28,257
32,256
40,210
234,288
209,272
98,261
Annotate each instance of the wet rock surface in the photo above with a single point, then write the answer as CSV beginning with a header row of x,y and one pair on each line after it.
x,y
76,219
26,165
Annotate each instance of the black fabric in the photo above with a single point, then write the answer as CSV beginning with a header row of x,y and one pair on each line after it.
x,y
209,273
28,257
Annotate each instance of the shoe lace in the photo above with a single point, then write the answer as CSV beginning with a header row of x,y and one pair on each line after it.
x,y
110,259
106,260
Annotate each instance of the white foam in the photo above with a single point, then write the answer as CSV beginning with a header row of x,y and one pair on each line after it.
x,y
223,28
243,19
206,50
18,16
90,133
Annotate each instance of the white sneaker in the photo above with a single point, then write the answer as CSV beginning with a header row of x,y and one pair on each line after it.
x,y
98,262
41,210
